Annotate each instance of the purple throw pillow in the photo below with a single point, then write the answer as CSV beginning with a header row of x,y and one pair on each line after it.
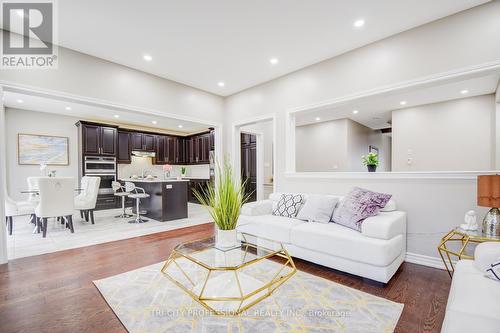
x,y
357,206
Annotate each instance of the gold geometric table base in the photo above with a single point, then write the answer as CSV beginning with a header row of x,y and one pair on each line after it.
x,y
230,289
463,239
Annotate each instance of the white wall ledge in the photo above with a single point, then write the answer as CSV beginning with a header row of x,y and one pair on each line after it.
x,y
390,175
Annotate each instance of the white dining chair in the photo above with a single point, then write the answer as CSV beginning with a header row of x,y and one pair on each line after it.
x,y
121,193
18,208
86,201
33,189
136,193
56,199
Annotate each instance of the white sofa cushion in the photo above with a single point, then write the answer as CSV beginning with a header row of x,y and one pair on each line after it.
x,y
337,240
385,225
262,207
318,208
473,303
273,227
485,255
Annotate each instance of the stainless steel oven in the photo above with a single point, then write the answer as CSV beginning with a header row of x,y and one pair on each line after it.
x,y
99,164
106,180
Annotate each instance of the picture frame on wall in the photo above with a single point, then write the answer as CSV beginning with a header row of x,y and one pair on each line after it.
x,y
36,149
372,149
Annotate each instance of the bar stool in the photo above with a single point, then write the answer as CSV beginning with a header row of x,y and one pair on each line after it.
x,y
120,192
135,193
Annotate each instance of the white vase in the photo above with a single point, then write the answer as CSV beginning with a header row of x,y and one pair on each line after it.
x,y
226,239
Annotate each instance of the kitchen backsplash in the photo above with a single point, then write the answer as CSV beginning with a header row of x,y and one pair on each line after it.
x,y
138,164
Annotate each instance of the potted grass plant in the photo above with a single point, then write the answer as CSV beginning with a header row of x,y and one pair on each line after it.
x,y
371,161
223,200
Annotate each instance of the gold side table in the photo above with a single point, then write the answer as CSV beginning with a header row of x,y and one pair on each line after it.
x,y
461,241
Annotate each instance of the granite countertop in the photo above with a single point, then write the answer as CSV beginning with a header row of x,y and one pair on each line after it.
x,y
155,180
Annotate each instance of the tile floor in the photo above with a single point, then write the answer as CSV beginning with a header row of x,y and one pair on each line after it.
x,y
107,228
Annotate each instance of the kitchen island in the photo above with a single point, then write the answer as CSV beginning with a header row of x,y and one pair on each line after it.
x,y
167,198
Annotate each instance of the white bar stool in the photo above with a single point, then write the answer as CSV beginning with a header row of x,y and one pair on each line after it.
x,y
122,193
136,193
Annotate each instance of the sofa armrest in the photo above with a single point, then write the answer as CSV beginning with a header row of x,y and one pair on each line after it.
x,y
385,225
262,207
486,254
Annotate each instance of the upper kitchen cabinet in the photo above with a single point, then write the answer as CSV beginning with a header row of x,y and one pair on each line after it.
x,y
199,148
124,147
169,150
97,139
143,141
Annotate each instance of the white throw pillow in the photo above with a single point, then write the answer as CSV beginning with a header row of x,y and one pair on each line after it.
x,y
487,259
318,208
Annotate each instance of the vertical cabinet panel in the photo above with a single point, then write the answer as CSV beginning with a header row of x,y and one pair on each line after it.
x,y
90,136
148,142
98,140
109,138
136,139
124,148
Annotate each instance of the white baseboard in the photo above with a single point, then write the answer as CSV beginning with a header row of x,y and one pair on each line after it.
x,y
420,259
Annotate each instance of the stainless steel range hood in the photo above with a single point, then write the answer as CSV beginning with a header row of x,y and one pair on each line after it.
x,y
140,153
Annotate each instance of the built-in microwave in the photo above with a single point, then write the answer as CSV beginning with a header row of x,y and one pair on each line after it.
x,y
99,164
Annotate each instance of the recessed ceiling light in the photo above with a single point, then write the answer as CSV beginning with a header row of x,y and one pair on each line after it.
x,y
355,111
463,92
402,103
359,23
20,101
116,116
180,126
147,57
154,122
221,84
318,118
274,61
68,108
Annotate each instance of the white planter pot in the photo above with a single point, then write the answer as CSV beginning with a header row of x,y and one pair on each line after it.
x,y
226,239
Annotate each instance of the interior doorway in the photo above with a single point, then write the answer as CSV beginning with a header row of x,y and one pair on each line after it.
x,y
249,164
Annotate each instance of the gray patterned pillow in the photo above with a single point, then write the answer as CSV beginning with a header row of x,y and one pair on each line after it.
x,y
288,205
357,206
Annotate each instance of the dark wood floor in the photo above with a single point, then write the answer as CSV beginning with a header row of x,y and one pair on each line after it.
x,y
54,292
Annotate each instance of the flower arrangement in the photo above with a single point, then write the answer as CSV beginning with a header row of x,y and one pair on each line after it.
x,y
183,171
167,168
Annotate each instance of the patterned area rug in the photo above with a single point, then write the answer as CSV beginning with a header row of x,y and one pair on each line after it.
x,y
146,301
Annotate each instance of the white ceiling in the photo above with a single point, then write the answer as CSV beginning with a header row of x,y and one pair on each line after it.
x,y
200,43
375,112
81,111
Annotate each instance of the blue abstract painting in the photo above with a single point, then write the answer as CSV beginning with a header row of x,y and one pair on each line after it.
x,y
36,149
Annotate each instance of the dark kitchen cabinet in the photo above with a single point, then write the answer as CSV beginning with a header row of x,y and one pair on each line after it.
x,y
181,150
170,149
249,164
97,139
160,150
199,185
143,141
124,147
199,148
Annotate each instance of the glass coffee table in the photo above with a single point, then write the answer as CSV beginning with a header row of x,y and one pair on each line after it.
x,y
228,282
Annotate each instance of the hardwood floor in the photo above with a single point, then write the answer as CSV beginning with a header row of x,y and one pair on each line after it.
x,y
54,292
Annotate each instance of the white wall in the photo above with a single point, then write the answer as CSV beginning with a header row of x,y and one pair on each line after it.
x,y
357,145
449,136
3,233
32,122
451,44
97,79
322,146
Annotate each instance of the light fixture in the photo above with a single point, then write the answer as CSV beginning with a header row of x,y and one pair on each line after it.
x,y
274,61
154,122
116,116
318,118
180,126
463,92
20,101
147,57
221,84
359,23
355,111
402,103
68,108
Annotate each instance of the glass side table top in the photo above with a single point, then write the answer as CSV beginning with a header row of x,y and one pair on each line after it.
x,y
204,253
476,234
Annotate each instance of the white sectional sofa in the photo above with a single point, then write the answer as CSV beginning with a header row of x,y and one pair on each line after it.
x,y
375,253
474,300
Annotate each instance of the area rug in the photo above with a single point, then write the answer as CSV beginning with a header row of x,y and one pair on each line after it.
x,y
146,301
